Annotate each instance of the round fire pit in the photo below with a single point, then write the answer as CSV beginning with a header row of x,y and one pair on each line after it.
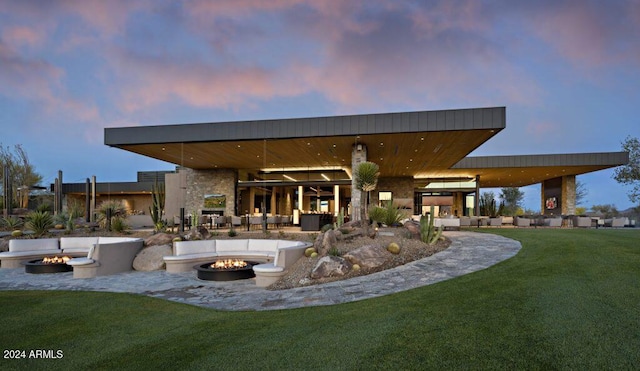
x,y
39,266
229,272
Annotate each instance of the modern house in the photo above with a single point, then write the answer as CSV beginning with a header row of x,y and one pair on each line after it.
x,y
306,165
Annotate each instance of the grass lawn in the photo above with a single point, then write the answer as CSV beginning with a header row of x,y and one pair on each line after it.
x,y
569,300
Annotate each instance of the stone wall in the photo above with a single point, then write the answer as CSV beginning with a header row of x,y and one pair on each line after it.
x,y
401,189
204,182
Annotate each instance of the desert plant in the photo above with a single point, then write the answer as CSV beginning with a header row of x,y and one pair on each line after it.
x,y
340,219
377,214
11,222
366,181
39,222
119,224
333,251
390,215
232,232
113,208
157,207
428,233
326,227
487,204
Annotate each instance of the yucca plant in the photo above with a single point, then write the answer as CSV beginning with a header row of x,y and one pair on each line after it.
x,y
366,177
39,222
113,208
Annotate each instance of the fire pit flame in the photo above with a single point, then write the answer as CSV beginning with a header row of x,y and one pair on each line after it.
x,y
56,260
229,264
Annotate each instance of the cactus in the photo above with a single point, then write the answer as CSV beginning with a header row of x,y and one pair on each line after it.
x,y
157,208
428,233
340,219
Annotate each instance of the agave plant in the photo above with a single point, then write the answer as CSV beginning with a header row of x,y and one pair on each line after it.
x,y
39,222
11,222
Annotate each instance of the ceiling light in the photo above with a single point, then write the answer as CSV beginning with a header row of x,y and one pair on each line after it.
x,y
325,177
288,177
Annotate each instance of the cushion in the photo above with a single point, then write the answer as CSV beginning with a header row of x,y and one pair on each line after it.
x,y
80,261
263,245
267,268
195,247
232,245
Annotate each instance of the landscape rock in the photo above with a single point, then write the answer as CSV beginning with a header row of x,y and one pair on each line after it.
x,y
413,227
328,241
368,256
150,258
198,233
158,239
330,266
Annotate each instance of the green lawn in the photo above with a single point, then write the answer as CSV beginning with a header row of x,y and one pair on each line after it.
x,y
569,300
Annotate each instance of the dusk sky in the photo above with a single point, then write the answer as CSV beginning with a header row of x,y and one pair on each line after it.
x,y
568,72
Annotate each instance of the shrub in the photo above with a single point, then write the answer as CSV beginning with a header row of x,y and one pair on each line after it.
x,y
232,232
39,222
390,215
115,208
119,224
326,227
11,222
333,251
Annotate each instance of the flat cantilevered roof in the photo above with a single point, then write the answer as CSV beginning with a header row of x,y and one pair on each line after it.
x,y
402,144
519,171
423,144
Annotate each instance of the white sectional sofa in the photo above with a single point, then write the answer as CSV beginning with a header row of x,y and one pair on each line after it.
x,y
23,250
276,255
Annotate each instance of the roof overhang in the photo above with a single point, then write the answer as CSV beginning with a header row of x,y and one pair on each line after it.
x,y
402,144
519,171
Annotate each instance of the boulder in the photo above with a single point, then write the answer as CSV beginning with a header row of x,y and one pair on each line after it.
x,y
328,241
158,239
413,227
369,256
330,266
198,233
4,245
150,258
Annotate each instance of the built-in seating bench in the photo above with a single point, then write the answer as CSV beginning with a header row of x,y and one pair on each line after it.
x,y
275,255
109,255
92,256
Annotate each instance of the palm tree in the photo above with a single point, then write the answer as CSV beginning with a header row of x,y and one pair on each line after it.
x,y
366,180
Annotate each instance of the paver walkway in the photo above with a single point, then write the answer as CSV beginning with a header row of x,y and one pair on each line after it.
x,y
469,252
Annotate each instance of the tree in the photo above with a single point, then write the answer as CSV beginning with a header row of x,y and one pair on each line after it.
x,y
487,204
366,181
608,211
581,192
21,171
512,198
629,174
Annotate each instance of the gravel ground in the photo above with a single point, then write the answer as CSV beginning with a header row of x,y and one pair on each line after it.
x,y
411,249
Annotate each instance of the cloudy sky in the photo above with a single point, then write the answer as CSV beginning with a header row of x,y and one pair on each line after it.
x,y
567,71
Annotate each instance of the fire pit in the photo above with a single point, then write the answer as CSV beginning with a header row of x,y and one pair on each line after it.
x,y
225,270
53,264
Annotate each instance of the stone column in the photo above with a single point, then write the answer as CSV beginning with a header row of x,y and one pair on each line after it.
x,y
358,155
568,198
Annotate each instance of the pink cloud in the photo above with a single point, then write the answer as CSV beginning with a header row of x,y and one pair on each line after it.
x,y
591,34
